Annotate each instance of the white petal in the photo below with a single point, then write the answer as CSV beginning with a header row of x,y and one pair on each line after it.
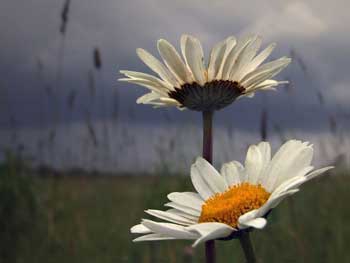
x,y
268,84
318,172
157,66
153,237
151,82
218,57
148,84
290,159
140,229
288,185
274,201
251,219
264,72
229,45
265,150
183,214
239,70
148,97
174,62
168,229
169,217
293,182
205,177
210,231
189,199
215,59
260,58
231,173
258,223
295,164
169,101
253,164
200,184
193,54
235,52
147,77
184,209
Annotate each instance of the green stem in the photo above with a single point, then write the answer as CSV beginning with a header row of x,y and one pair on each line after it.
x,y
208,155
247,247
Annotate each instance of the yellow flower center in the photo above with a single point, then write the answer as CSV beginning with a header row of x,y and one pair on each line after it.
x,y
228,206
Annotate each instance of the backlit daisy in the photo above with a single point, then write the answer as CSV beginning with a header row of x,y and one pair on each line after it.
x,y
239,198
235,69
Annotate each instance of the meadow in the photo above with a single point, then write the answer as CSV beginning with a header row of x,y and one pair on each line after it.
x,y
88,127
86,218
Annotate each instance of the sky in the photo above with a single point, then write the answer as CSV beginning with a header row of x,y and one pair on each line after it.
x,y
315,33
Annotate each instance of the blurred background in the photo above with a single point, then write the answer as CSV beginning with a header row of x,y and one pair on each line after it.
x,y
80,160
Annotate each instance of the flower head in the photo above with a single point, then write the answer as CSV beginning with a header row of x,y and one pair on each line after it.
x,y
234,70
239,198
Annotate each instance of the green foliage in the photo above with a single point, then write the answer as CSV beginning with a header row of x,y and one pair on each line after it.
x,y
18,208
88,220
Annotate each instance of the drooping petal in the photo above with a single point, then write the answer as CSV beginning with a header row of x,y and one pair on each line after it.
x,y
318,172
274,201
251,219
293,182
210,231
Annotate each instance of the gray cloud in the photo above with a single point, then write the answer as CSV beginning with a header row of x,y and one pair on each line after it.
x,y
315,29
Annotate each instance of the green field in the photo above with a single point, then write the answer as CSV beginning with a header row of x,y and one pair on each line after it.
x,y
87,219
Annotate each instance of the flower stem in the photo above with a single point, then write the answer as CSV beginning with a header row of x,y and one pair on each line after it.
x,y
247,247
208,136
210,251
208,155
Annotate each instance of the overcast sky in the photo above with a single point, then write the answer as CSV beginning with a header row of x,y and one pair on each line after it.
x,y
316,30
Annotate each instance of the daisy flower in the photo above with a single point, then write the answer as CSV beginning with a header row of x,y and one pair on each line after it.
x,y
237,199
234,70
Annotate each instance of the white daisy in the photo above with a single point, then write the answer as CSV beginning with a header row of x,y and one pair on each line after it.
x,y
239,198
234,70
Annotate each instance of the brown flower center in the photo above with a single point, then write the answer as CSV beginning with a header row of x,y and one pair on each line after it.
x,y
213,95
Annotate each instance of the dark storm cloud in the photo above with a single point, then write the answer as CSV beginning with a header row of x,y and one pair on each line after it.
x,y
30,31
